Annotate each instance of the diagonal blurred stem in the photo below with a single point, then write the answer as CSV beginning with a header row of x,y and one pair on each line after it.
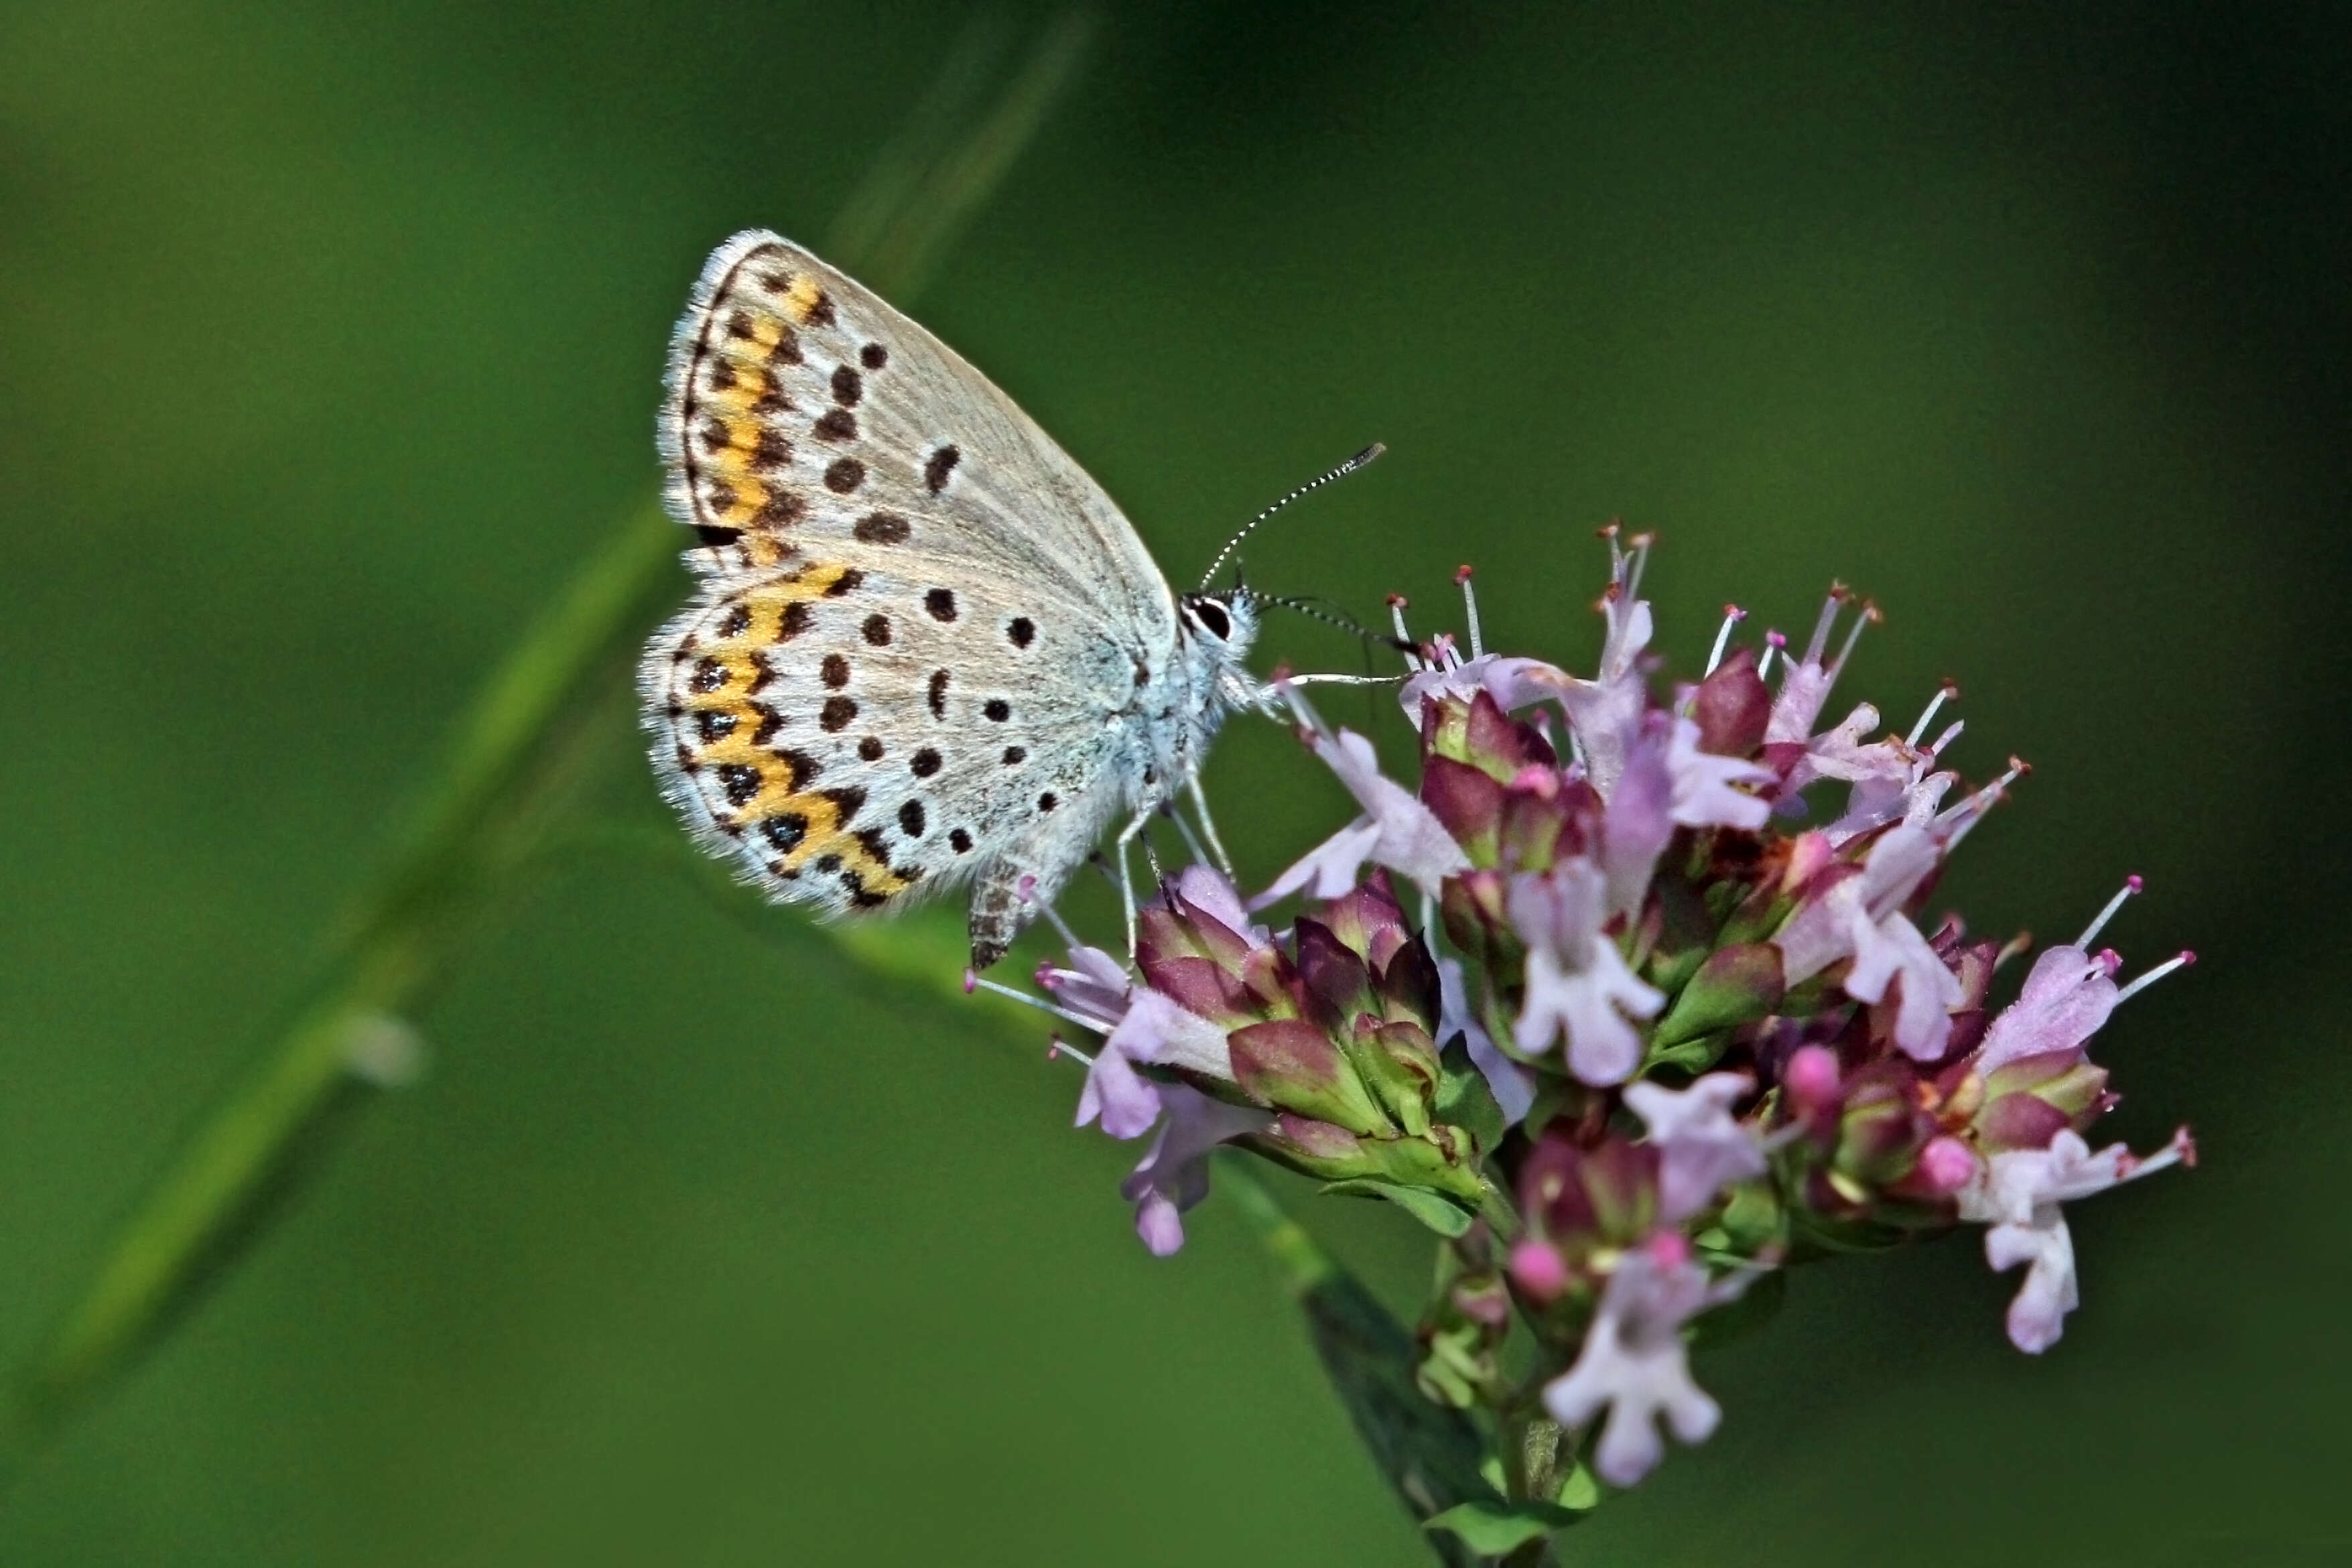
x,y
1428,1453
522,746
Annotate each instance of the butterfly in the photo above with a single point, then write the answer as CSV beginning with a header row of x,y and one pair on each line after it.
x,y
926,648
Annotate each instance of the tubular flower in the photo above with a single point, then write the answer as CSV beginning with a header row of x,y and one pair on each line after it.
x,y
1577,984
1647,1039
1633,1364
2019,1193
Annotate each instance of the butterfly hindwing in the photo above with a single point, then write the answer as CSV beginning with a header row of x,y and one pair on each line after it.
x,y
915,610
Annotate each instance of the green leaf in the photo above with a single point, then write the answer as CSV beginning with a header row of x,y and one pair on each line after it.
x,y
1493,1529
1430,1455
1464,1100
1735,985
1693,1056
1440,1215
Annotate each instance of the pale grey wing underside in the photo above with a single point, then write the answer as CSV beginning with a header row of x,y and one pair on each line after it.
x,y
921,628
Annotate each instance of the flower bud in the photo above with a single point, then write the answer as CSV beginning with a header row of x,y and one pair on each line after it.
x,y
1944,1165
1290,1065
1732,706
2032,1099
1810,1078
1735,986
1539,1271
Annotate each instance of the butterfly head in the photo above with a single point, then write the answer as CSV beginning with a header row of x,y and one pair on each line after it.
x,y
1219,625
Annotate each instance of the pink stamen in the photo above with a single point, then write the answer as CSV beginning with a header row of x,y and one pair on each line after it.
x,y
2129,891
1470,612
983,983
2180,960
1947,692
1639,561
1732,615
1397,603
1869,615
1964,817
1820,640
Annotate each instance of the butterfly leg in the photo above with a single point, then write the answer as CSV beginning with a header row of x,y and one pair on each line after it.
x,y
1127,836
1209,824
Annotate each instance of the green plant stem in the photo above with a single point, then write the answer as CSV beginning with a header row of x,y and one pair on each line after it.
x,y
523,744
1429,1454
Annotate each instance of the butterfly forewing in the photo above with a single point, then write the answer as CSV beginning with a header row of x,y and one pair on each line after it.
x,y
916,610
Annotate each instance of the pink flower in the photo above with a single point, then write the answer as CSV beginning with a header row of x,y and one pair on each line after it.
x,y
1207,890
1893,780
1577,984
1513,1088
1154,1030
2019,1193
1513,683
1805,685
1139,1025
1665,782
1395,831
2066,998
1702,1149
1704,793
1174,1175
1637,822
1605,712
1633,1361
1860,918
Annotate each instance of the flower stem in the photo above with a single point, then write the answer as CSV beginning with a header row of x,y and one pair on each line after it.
x,y
1429,1453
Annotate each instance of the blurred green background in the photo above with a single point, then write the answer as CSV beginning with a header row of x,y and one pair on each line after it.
x,y
329,341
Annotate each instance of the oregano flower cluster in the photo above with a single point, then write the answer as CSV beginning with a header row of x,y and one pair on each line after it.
x,y
1633,998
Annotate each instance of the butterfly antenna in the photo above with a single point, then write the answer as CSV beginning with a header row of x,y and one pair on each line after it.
x,y
1329,614
1360,459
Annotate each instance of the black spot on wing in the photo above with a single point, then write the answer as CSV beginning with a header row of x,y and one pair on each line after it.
x,y
939,466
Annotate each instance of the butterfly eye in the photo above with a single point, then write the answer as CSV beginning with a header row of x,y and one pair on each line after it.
x,y
1212,619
